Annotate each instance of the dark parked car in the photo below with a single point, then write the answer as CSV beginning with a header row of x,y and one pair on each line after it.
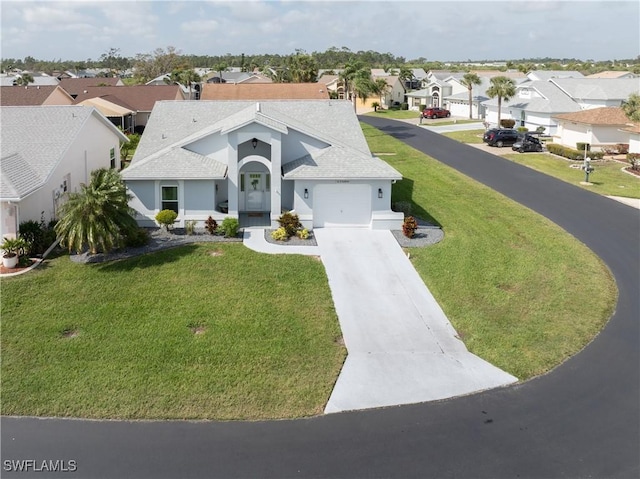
x,y
488,134
502,137
527,143
435,113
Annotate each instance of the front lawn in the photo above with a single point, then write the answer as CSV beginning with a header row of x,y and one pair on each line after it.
x,y
521,292
607,179
213,331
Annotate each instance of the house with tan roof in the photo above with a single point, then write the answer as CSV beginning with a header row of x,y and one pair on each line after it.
x,y
264,91
33,95
76,86
131,105
47,151
253,160
599,127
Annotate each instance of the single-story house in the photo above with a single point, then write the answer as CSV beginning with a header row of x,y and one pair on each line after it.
x,y
264,91
537,102
258,159
39,79
634,137
48,151
138,99
599,127
34,95
75,86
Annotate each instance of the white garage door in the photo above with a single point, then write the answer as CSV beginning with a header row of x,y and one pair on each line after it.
x,y
343,205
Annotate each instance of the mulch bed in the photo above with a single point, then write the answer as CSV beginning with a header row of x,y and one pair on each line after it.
x,y
17,269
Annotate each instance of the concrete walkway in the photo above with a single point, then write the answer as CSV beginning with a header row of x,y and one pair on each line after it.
x,y
401,347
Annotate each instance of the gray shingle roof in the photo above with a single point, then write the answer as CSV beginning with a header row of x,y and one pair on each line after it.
x,y
34,140
554,100
598,88
174,125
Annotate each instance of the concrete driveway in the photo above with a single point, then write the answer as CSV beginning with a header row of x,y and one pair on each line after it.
x,y
401,347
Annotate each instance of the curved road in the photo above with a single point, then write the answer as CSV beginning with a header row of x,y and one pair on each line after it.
x,y
580,420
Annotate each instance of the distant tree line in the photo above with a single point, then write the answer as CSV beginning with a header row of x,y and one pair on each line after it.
x,y
166,60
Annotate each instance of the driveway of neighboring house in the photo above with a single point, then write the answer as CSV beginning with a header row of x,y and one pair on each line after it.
x,y
401,347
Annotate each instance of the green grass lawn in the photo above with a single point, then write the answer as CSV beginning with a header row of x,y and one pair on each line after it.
x,y
522,293
607,179
268,346
119,340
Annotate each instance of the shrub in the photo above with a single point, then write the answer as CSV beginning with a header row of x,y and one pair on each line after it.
x,y
303,233
166,218
229,227
211,225
136,238
622,148
507,123
404,106
580,146
280,234
38,234
572,154
190,226
634,160
409,226
522,129
540,129
14,246
290,222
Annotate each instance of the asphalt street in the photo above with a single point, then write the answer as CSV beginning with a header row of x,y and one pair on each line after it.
x,y
580,420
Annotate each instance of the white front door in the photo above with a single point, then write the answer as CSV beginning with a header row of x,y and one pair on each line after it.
x,y
254,191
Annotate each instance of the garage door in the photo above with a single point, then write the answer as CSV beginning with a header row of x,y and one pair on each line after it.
x,y
341,205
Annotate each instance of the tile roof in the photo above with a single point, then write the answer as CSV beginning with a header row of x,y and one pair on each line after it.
x,y
597,116
26,96
264,91
610,74
34,140
174,125
137,97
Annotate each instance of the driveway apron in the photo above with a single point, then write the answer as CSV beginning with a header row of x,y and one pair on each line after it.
x,y
401,347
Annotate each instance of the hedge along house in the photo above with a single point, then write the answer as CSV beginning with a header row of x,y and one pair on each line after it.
x,y
253,160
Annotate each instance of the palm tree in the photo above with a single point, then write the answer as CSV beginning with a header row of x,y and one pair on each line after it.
x,y
468,80
188,78
98,216
503,88
302,68
24,79
631,107
380,87
348,78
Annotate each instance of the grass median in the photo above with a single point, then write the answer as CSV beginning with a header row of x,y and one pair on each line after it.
x,y
521,292
213,331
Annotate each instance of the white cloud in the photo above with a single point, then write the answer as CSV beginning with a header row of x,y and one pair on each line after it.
x,y
200,26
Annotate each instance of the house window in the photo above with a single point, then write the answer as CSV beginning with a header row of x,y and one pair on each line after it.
x,y
170,198
112,157
268,182
241,182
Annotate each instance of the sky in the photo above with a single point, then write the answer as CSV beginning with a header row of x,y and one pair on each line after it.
x,y
438,30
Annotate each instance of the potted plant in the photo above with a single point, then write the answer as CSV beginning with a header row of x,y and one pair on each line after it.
x,y
12,249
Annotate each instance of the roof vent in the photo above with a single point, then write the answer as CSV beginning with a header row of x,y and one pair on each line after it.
x,y
164,137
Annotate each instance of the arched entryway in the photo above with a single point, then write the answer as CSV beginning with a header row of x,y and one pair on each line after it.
x,y
254,193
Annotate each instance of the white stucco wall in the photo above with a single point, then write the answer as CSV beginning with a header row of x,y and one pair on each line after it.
x,y
634,143
89,151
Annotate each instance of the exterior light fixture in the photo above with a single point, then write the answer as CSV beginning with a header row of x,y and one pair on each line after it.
x,y
254,143
379,192
306,193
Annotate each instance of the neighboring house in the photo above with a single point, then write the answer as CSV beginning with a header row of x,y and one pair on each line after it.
x,y
634,137
612,74
76,86
395,91
138,99
599,127
264,91
236,77
38,80
334,84
34,95
537,102
253,160
48,151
